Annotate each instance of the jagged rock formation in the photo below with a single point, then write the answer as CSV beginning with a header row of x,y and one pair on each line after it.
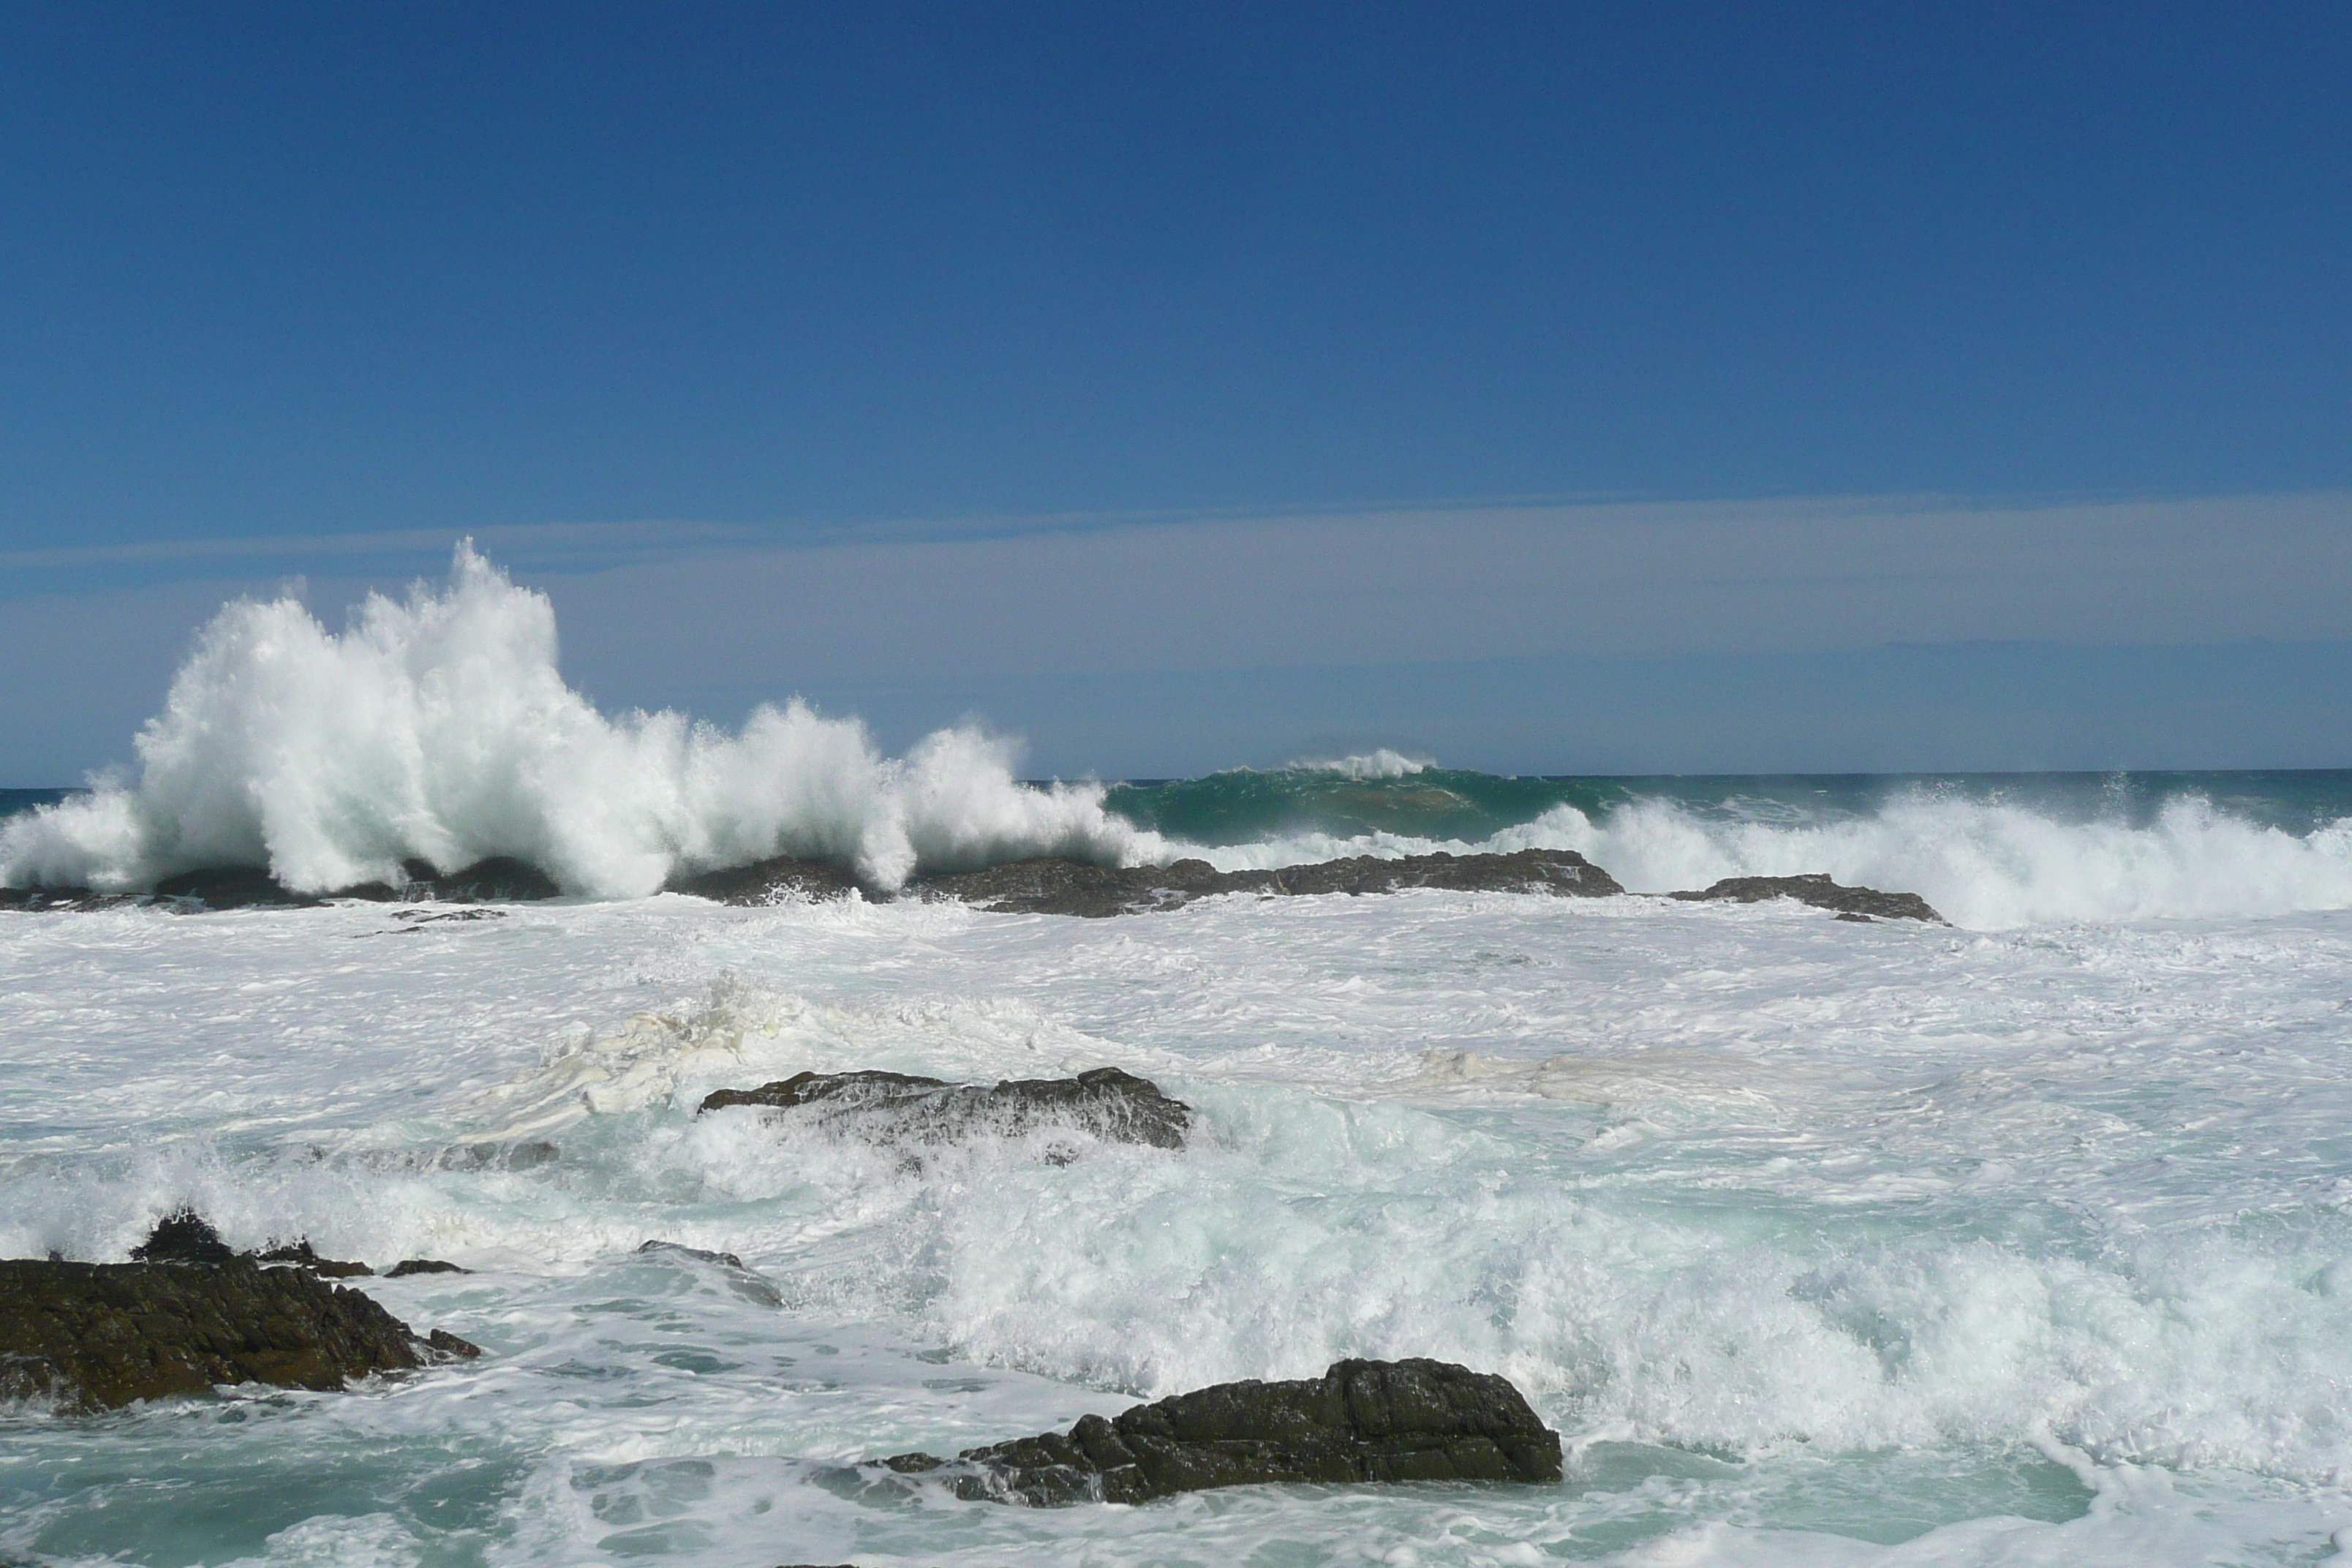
x,y
92,1336
889,1108
185,1237
1362,1421
299,1255
1056,885
1819,891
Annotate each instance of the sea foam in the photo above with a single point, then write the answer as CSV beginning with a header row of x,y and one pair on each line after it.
x,y
438,728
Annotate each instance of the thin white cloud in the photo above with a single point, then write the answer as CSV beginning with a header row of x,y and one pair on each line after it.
x,y
1616,580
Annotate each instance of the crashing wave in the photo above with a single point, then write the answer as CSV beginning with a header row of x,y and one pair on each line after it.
x,y
438,729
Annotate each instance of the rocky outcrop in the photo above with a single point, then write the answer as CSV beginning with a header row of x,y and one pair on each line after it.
x,y
92,1336
890,1108
499,880
299,1255
1062,887
1055,885
769,881
1360,1421
1819,891
1058,885
185,1237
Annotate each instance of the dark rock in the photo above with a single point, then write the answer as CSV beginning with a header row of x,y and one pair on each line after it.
x,y
232,887
892,1108
98,1335
501,879
403,1269
36,901
186,1237
770,881
450,1344
417,918
678,1250
1362,1421
1818,890
1559,871
1056,886
300,1255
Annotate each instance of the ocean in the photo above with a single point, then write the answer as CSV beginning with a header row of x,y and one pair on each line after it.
x,y
2018,1240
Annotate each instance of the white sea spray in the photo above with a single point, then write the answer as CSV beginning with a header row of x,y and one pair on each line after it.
x,y
439,728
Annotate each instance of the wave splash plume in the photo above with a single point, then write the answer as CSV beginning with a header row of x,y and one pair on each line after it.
x,y
438,728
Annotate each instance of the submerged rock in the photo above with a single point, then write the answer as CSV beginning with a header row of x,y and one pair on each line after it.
x,y
92,1336
1820,891
413,1266
1362,1421
894,1108
680,1249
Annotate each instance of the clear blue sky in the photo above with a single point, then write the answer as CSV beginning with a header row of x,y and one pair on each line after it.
x,y
854,273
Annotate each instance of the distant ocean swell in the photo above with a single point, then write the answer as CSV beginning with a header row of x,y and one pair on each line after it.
x,y
438,728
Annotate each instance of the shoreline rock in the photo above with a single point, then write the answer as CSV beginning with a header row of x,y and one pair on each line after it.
x,y
1822,893
1415,1420
1056,885
499,880
889,1108
98,1336
1060,885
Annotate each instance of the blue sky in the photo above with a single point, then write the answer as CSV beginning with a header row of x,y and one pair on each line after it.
x,y
1425,332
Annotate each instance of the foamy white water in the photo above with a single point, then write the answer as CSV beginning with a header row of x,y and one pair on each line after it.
x,y
1821,1243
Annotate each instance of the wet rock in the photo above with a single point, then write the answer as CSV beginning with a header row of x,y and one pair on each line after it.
x,y
1058,886
770,882
500,878
299,1255
37,900
679,1249
890,1108
1820,891
185,1237
232,888
1362,1421
407,1266
90,1336
1066,887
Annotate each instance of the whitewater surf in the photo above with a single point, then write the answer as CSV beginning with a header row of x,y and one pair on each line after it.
x,y
2022,1240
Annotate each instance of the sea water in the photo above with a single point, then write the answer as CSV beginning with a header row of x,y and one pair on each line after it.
x,y
2019,1240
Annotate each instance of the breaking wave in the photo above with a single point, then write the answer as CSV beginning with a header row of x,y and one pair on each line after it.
x,y
438,729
